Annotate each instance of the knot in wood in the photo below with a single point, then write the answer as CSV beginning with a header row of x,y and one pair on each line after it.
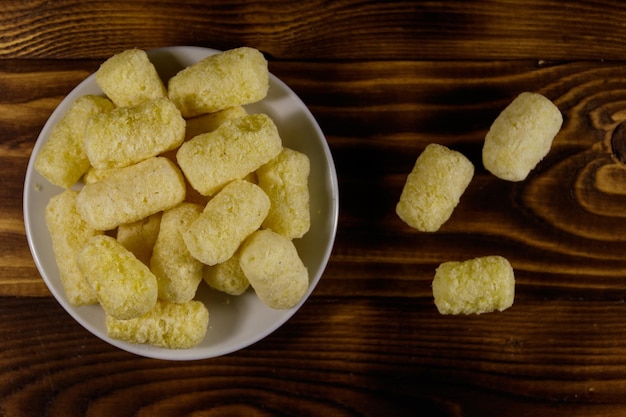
x,y
618,142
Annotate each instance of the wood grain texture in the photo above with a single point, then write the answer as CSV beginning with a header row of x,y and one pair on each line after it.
x,y
356,359
326,30
384,79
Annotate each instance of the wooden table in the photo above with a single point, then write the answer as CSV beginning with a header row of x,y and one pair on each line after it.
x,y
384,79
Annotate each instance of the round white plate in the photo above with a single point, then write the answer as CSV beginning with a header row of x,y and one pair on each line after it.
x,y
235,322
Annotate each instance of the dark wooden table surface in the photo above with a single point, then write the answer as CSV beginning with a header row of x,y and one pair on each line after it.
x,y
384,79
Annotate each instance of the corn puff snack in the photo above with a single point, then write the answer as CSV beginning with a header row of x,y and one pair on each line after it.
x,y
285,180
69,234
227,277
124,286
178,273
475,286
209,122
62,159
179,185
94,175
139,237
228,218
236,148
167,325
127,135
131,194
129,78
231,78
271,263
521,136
434,188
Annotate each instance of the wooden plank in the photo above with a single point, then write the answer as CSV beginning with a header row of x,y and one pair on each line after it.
x,y
338,30
362,357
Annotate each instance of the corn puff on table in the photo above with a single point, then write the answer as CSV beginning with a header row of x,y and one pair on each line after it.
x,y
384,80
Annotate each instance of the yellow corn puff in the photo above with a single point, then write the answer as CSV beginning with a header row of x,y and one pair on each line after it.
x,y
167,325
129,78
131,194
127,135
236,148
285,180
62,159
227,277
124,286
94,175
178,273
521,136
231,78
474,286
69,234
271,263
228,218
211,121
434,188
139,237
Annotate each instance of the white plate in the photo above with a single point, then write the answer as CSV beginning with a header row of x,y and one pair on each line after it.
x,y
235,322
